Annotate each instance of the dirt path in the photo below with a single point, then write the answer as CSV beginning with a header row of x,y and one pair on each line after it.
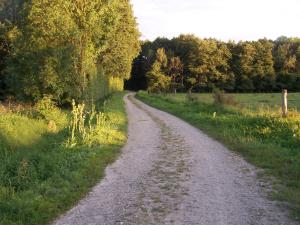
x,y
172,173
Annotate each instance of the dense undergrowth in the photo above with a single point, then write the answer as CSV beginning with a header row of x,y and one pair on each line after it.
x,y
263,137
41,173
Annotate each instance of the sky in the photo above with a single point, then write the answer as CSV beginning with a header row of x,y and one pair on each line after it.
x,y
222,19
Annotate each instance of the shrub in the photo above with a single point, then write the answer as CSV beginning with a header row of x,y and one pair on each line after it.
x,y
221,99
191,97
47,109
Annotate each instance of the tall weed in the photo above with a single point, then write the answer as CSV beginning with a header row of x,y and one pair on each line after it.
x,y
91,128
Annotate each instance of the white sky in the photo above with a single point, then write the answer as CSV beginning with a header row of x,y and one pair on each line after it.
x,y
221,19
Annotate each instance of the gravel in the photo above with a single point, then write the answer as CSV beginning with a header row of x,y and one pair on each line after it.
x,y
172,173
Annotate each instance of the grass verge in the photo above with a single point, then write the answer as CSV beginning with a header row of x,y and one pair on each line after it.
x,y
40,177
266,140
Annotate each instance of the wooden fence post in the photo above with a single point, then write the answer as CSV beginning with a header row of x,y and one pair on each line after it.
x,y
284,104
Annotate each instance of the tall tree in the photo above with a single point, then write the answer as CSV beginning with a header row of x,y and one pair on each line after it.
x,y
11,15
63,44
263,66
175,71
142,64
286,56
208,64
124,44
158,81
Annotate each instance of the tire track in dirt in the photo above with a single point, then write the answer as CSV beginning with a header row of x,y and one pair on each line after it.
x,y
166,185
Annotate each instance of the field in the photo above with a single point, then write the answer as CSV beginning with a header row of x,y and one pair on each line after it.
x,y
251,101
252,126
43,171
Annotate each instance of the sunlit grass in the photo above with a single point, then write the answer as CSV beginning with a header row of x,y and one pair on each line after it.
x,y
40,176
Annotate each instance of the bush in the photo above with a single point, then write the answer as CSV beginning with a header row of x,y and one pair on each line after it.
x,y
221,99
47,109
191,97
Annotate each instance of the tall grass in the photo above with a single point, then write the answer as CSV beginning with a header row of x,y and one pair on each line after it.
x,y
40,175
262,136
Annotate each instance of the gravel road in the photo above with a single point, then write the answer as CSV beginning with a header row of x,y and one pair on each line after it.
x,y
172,173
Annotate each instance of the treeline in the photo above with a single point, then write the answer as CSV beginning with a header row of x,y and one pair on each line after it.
x,y
67,49
190,63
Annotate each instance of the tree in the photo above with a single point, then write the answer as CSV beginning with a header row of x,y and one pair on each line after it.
x,y
254,68
5,49
65,45
244,54
10,10
263,66
175,71
141,65
123,43
158,81
184,46
286,55
10,17
209,64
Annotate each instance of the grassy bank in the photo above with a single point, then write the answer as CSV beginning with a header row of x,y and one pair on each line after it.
x,y
261,136
41,175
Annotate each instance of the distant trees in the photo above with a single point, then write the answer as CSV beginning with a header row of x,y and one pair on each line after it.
x,y
70,49
246,66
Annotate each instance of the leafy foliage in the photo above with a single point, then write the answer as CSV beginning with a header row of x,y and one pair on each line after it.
x,y
175,71
208,63
67,48
48,111
158,80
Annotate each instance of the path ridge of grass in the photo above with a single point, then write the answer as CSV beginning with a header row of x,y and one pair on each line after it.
x,y
269,142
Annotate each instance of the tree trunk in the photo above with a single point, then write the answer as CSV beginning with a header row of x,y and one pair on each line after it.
x,y
190,97
82,59
174,85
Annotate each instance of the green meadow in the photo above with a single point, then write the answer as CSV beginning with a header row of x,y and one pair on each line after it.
x,y
251,101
